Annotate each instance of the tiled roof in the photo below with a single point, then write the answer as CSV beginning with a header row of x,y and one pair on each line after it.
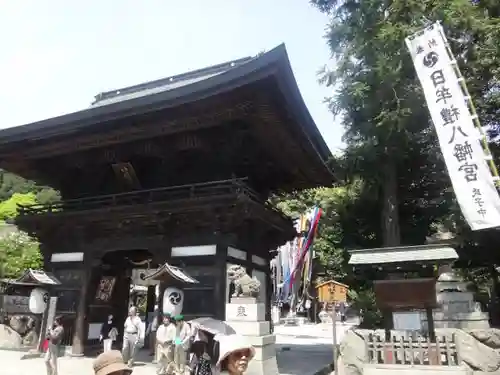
x,y
402,254
170,272
165,84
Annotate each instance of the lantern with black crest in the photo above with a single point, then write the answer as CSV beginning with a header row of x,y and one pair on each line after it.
x,y
173,280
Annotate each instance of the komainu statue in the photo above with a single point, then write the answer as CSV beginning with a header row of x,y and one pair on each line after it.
x,y
244,285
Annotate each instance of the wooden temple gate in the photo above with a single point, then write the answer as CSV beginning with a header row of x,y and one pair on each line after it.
x,y
176,170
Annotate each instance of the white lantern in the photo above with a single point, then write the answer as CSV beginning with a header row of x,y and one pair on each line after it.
x,y
38,300
173,301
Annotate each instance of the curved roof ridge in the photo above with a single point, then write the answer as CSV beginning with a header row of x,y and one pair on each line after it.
x,y
175,79
192,86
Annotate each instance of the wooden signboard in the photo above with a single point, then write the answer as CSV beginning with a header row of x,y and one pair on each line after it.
x,y
332,291
16,304
105,289
406,294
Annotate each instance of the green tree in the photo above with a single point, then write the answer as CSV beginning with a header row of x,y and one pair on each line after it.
x,y
390,143
9,208
391,148
18,251
47,195
11,184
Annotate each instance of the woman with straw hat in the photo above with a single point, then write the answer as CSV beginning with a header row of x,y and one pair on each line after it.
x,y
111,363
234,354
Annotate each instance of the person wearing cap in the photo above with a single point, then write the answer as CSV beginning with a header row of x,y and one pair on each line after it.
x,y
165,336
111,363
181,343
132,336
234,354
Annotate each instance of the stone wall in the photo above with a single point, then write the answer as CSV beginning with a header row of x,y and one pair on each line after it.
x,y
19,331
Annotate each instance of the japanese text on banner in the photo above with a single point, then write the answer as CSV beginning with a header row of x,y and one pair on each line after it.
x,y
465,160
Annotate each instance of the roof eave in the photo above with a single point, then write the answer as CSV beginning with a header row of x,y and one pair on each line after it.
x,y
273,63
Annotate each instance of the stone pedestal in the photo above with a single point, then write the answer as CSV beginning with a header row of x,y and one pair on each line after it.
x,y
457,308
247,317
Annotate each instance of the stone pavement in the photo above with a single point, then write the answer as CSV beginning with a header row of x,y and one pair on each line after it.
x,y
301,350
306,349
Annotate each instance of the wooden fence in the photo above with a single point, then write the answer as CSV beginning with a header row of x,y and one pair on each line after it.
x,y
413,350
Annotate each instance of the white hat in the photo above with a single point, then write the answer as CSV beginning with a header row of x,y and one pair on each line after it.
x,y
232,343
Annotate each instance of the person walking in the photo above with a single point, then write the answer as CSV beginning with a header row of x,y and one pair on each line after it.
x,y
109,334
165,337
181,343
151,333
235,352
132,336
54,336
111,363
200,363
342,310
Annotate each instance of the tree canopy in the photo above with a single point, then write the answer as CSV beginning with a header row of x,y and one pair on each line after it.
x,y
394,188
9,207
18,251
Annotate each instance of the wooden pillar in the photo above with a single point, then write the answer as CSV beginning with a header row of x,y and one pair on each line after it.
x,y
160,296
220,281
249,266
388,323
151,299
430,323
494,308
269,291
79,333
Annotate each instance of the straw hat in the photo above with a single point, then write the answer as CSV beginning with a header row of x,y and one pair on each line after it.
x,y
233,343
109,362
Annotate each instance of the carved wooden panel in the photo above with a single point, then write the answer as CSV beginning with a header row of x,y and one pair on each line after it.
x,y
105,289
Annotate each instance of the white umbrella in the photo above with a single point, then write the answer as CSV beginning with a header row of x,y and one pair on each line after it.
x,y
212,326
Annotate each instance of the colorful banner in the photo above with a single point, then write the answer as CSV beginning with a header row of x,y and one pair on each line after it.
x,y
459,139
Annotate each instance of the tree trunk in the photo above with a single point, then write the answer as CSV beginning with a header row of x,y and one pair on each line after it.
x,y
391,234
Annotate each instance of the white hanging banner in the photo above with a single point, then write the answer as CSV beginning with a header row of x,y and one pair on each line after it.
x,y
459,139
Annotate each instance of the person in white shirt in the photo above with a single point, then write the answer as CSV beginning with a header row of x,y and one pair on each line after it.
x,y
165,336
182,343
132,336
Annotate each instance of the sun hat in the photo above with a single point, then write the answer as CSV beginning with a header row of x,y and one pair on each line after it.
x,y
232,343
109,362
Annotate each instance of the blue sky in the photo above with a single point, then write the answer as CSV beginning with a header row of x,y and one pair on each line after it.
x,y
57,55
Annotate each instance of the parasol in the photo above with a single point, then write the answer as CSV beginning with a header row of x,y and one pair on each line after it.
x,y
213,326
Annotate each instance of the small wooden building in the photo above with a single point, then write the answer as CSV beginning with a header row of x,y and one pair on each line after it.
x,y
332,291
405,279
